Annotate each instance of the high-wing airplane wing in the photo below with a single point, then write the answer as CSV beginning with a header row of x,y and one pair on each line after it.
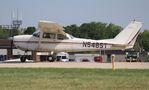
x,y
51,27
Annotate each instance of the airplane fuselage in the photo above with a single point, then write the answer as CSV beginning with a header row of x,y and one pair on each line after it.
x,y
31,43
51,37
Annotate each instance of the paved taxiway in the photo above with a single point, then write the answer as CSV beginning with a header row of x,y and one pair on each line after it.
x,y
30,64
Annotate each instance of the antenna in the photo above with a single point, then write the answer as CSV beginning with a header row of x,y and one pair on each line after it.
x,y
12,16
17,14
20,16
16,22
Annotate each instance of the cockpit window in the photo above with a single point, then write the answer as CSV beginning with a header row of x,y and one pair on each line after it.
x,y
61,37
72,37
36,34
49,35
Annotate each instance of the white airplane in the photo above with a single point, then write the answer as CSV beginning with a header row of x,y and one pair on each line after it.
x,y
51,38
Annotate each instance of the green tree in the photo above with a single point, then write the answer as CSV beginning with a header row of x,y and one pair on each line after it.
x,y
137,46
85,30
72,30
4,33
14,32
112,30
30,30
143,40
93,30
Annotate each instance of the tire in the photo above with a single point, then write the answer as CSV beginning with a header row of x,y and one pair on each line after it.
x,y
51,58
22,58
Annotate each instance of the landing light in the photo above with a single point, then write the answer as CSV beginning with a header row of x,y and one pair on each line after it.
x,y
52,52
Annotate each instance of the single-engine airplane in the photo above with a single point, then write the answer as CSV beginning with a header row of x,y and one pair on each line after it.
x,y
51,38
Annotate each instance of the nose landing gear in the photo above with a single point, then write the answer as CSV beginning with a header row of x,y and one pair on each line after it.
x,y
23,58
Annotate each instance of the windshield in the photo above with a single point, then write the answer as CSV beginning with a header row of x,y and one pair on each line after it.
x,y
63,57
132,55
70,36
36,34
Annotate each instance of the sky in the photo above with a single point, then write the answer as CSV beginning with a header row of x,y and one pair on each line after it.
x,y
67,12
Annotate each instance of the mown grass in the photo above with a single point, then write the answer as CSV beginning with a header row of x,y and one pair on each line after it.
x,y
72,79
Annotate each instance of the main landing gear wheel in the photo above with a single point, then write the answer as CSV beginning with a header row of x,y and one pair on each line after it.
x,y
23,58
51,58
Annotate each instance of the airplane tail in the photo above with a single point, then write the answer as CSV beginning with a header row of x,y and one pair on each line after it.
x,y
129,35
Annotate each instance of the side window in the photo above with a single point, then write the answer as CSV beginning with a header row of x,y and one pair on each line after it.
x,y
61,37
36,34
49,35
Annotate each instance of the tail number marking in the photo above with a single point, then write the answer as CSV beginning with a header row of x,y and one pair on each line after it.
x,y
94,44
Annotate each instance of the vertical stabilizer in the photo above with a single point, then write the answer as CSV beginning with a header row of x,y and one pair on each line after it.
x,y
129,34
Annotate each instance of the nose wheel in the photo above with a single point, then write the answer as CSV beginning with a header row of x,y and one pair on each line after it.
x,y
23,58
52,57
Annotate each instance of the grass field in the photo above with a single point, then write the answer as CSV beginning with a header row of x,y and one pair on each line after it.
x,y
72,79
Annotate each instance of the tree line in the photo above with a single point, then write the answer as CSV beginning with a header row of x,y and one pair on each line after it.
x,y
6,33
92,30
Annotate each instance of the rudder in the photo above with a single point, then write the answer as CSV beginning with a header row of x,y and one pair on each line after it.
x,y
128,35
